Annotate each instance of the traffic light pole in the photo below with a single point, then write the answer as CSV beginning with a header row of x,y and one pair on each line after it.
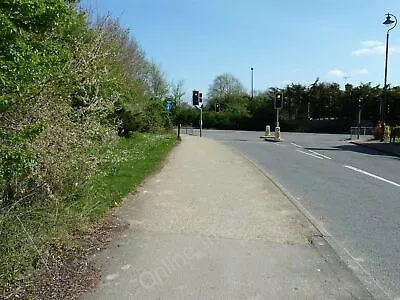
x,y
201,120
278,103
277,117
197,99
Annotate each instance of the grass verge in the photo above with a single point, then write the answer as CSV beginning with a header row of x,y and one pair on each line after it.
x,y
123,166
33,236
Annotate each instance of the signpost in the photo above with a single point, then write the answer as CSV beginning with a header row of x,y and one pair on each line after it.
x,y
168,106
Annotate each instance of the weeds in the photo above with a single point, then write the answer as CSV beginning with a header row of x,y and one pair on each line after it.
x,y
33,234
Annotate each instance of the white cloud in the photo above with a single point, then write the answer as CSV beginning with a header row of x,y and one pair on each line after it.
x,y
342,74
363,71
368,51
374,47
337,73
372,43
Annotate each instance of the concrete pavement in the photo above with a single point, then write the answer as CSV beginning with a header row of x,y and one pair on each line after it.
x,y
391,149
210,225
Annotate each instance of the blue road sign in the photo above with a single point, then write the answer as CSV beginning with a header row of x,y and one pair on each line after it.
x,y
168,106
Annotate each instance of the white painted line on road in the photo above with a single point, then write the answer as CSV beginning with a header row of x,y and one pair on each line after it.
x,y
372,175
309,154
298,146
316,153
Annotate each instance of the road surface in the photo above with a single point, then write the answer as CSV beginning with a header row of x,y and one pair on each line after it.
x,y
210,225
352,192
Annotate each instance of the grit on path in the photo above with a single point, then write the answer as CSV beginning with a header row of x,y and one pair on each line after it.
x,y
210,225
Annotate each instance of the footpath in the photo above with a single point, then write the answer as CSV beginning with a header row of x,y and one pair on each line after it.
x,y
210,225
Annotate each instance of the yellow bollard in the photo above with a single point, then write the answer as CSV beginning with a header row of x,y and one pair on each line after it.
x,y
277,133
267,130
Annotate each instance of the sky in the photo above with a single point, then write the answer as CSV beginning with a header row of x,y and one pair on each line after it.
x,y
286,41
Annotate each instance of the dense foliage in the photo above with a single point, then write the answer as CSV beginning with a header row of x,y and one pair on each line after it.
x,y
67,88
319,107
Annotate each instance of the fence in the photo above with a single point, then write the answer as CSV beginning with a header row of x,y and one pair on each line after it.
x,y
356,132
186,129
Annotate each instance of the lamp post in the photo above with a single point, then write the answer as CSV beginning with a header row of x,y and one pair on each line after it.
x,y
392,24
360,103
252,83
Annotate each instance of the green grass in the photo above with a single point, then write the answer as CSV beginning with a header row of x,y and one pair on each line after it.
x,y
123,167
35,228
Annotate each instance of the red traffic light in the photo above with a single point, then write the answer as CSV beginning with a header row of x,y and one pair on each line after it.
x,y
278,100
195,98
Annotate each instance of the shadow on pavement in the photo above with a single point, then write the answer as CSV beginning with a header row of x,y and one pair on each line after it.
x,y
356,148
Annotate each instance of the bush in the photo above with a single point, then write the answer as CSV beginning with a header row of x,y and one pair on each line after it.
x,y
378,132
67,88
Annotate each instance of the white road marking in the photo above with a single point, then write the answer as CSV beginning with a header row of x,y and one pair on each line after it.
x,y
372,175
316,153
309,154
298,146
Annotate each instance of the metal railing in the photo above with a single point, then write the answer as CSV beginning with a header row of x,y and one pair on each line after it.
x,y
356,132
186,129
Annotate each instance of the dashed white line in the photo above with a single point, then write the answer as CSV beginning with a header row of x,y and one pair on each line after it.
x,y
313,155
298,146
316,153
372,175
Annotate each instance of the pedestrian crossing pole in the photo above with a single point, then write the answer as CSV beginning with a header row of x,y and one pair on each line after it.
x,y
277,128
201,112
278,105
277,117
201,119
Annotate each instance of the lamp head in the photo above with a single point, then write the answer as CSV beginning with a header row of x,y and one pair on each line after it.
x,y
388,20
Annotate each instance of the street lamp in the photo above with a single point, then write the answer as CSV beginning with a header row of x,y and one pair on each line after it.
x,y
252,83
360,103
392,24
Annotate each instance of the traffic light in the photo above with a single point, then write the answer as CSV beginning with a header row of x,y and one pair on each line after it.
x,y
217,107
195,98
360,102
278,100
200,98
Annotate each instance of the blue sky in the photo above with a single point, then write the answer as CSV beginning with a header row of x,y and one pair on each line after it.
x,y
284,41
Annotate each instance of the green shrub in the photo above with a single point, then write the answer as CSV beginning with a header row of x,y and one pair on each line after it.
x,y
378,132
67,88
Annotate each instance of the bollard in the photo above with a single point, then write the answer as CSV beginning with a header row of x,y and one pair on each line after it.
x,y
267,130
277,133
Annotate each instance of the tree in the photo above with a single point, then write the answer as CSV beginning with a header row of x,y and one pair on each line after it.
x,y
225,85
156,82
176,91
